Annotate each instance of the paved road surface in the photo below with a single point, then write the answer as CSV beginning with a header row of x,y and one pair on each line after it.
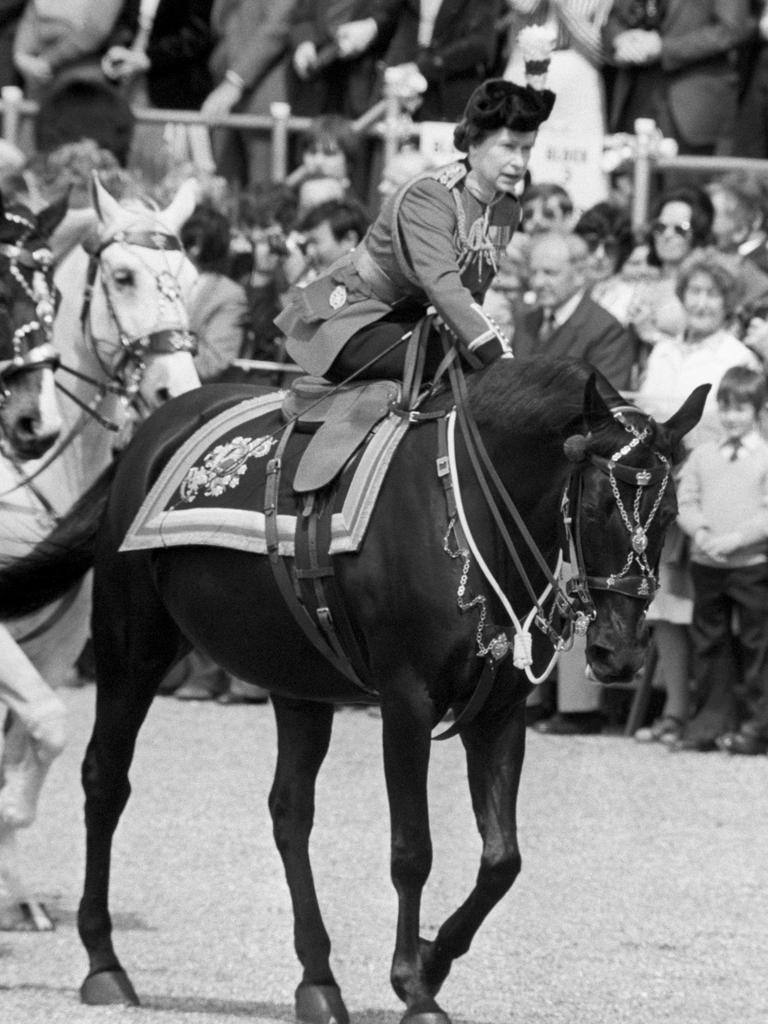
x,y
642,898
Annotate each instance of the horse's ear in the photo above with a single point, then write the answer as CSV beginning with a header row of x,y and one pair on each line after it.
x,y
105,205
686,417
595,408
50,218
178,212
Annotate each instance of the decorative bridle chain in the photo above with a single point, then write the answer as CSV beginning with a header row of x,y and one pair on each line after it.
x,y
41,297
477,602
637,530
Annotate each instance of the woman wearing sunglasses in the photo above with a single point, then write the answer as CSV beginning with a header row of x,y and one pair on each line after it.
x,y
682,222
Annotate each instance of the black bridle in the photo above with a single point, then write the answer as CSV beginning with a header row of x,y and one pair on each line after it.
x,y
126,374
641,583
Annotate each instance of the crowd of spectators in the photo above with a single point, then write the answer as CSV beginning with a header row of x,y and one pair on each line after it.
x,y
659,309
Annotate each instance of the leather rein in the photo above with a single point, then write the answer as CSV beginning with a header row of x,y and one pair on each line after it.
x,y
573,602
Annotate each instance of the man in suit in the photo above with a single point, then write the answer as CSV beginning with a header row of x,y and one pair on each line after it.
x,y
566,322
677,62
453,44
249,66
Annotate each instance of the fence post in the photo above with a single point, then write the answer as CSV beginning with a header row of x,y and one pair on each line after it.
x,y
645,128
12,97
392,123
280,113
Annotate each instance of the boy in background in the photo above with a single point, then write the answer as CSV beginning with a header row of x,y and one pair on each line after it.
x,y
723,508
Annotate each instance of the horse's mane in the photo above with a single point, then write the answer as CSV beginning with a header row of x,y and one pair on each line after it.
x,y
530,396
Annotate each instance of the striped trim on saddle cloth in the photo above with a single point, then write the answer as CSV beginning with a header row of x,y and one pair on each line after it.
x,y
224,463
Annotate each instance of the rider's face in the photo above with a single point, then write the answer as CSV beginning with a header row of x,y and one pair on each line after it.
x,y
501,159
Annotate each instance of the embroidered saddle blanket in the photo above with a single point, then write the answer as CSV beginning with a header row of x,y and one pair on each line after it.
x,y
212,491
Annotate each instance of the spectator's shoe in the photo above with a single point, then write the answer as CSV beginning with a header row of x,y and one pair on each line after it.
x,y
240,692
204,688
571,723
747,743
702,745
668,729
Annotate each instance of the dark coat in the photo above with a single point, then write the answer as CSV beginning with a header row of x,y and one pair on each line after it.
x,y
459,58
180,44
697,74
590,333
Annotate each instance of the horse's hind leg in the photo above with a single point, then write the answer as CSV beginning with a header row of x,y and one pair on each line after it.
x,y
134,643
303,735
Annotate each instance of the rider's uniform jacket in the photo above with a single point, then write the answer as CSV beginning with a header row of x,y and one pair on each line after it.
x,y
434,243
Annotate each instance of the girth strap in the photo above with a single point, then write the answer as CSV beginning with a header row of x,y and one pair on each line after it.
x,y
280,569
319,593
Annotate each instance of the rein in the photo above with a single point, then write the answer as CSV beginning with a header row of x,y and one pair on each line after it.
x,y
572,602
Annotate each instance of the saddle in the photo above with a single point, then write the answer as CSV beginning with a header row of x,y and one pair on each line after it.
x,y
340,418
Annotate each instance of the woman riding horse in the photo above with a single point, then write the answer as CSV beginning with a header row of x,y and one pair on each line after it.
x,y
435,243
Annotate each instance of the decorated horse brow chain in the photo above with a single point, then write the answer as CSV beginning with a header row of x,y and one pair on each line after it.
x,y
15,218
637,530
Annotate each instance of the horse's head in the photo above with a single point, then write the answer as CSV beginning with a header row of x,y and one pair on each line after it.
x,y
29,416
135,308
620,501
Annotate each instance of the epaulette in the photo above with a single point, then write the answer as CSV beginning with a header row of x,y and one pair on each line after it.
x,y
450,175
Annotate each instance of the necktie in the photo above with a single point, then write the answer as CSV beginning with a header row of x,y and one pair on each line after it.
x,y
735,447
547,325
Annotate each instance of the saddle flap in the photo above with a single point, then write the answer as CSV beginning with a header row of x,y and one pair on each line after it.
x,y
346,424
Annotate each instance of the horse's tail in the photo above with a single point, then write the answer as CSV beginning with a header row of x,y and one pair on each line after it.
x,y
60,561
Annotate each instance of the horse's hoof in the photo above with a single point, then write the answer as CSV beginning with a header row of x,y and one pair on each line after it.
x,y
429,1014
25,916
320,1004
108,988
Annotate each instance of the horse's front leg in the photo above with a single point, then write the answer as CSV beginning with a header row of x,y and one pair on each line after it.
x,y
119,715
407,717
303,736
495,748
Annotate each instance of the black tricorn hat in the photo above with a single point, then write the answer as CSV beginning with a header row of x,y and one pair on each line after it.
x,y
498,103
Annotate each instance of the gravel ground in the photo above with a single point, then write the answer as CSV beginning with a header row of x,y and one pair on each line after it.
x,y
642,896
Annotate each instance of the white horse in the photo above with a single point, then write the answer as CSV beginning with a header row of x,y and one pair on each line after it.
x,y
122,334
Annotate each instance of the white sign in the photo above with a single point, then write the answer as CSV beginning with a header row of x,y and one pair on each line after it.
x,y
572,160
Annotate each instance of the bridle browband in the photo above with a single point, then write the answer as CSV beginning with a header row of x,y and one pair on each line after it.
x,y
642,584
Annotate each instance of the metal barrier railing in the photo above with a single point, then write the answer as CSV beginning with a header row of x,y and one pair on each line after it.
x,y
647,161
279,124
388,119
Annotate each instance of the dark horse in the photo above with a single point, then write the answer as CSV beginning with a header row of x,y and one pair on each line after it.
x,y
550,430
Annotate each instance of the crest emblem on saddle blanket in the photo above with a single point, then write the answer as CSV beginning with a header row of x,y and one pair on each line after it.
x,y
224,466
